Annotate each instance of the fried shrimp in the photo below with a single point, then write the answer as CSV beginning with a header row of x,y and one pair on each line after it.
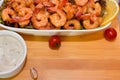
x,y
81,2
24,23
8,14
73,24
23,17
91,23
62,3
18,4
95,9
37,1
24,14
40,17
70,10
53,14
48,4
54,6
56,2
39,20
49,26
30,4
58,19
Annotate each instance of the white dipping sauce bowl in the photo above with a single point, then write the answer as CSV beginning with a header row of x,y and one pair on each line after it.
x,y
15,70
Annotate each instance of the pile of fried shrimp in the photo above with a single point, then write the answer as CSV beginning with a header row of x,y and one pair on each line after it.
x,y
53,14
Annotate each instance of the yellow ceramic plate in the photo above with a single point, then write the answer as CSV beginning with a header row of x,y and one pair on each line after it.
x,y
112,10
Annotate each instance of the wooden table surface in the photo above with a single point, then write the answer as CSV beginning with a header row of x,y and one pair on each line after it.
x,y
86,57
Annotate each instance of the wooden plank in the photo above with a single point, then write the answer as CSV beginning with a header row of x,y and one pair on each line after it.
x,y
86,57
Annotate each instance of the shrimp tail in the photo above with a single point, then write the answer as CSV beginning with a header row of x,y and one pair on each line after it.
x,y
48,4
10,3
63,3
51,9
16,19
36,10
78,15
37,1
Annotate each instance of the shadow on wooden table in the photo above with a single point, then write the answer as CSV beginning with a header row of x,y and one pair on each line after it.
x,y
80,38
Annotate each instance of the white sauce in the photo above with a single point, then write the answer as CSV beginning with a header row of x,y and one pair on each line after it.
x,y
10,52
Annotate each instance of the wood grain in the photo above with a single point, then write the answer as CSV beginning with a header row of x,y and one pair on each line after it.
x,y
86,57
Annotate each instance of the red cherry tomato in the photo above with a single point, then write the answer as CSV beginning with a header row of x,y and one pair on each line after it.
x,y
110,34
54,42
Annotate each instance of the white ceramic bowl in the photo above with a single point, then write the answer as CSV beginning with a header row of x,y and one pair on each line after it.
x,y
20,62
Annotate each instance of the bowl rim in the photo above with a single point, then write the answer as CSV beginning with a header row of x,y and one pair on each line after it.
x,y
22,41
58,32
35,30
54,32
